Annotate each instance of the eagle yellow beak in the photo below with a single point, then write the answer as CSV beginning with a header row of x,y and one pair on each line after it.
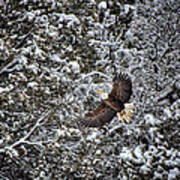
x,y
99,92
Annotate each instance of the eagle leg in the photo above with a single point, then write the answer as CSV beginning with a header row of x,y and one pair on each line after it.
x,y
125,115
120,116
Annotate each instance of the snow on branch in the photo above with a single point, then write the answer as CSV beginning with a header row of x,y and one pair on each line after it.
x,y
95,73
7,67
24,140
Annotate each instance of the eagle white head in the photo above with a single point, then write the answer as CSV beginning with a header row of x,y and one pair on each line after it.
x,y
103,95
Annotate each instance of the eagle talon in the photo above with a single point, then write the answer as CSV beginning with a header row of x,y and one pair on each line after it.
x,y
125,115
120,116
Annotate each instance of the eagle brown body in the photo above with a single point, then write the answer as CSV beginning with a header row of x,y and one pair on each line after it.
x,y
104,113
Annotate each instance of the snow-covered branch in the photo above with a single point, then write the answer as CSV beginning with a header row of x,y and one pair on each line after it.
x,y
7,67
24,140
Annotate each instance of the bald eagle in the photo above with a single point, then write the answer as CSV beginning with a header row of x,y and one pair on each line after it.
x,y
113,104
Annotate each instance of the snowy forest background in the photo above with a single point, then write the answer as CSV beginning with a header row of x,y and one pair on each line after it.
x,y
55,55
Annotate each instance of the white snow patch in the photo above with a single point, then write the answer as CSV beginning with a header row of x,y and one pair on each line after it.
x,y
145,169
2,44
127,7
1,141
92,136
30,16
158,175
98,152
173,173
6,89
171,163
92,1
52,31
151,120
2,90
74,131
60,26
74,66
71,19
167,112
32,84
33,68
138,152
53,34
23,60
38,52
102,5
153,149
56,58
90,33
60,133
126,154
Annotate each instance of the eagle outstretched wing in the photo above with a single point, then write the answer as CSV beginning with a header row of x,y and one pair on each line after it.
x,y
104,113
101,115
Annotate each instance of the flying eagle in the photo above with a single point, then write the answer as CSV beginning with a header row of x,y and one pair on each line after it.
x,y
112,105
